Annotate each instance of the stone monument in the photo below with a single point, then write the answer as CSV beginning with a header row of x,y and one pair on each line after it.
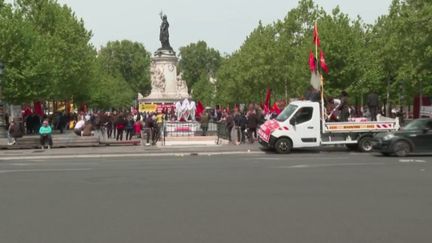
x,y
167,86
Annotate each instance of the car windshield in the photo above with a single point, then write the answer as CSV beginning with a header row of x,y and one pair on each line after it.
x,y
416,125
286,113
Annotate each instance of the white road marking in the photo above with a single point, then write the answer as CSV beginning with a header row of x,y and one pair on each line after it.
x,y
412,161
303,166
43,170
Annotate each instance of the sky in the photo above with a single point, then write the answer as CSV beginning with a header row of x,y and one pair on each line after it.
x,y
223,24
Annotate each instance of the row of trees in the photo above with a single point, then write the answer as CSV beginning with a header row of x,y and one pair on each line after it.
x,y
48,56
393,55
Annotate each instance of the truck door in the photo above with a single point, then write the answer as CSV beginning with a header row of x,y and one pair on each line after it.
x,y
306,124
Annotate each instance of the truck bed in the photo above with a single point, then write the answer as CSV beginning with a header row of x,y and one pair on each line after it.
x,y
368,126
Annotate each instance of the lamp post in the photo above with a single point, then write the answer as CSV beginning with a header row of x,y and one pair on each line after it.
x,y
3,128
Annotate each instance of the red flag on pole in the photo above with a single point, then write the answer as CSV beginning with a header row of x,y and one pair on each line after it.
x,y
312,64
316,39
275,109
199,109
267,100
323,62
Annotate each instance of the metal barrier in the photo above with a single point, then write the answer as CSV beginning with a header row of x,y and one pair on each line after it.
x,y
187,129
222,132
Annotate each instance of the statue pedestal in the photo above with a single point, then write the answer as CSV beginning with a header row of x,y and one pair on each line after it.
x,y
167,87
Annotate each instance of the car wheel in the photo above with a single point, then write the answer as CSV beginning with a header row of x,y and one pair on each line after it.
x,y
385,154
401,148
365,144
283,146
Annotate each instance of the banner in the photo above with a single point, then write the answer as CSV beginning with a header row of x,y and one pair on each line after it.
x,y
147,107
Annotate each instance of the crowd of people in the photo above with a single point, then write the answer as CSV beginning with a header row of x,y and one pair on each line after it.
x,y
239,124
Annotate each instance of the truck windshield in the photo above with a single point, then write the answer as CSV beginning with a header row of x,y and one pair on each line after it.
x,y
286,113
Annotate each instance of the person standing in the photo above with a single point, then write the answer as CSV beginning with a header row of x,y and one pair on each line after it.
x,y
14,132
138,126
373,104
344,107
120,125
109,125
204,123
45,132
129,128
148,129
252,123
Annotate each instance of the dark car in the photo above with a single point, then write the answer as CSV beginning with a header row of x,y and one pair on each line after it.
x,y
415,137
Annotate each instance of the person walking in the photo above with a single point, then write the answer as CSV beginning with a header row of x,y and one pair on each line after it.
x,y
373,104
45,132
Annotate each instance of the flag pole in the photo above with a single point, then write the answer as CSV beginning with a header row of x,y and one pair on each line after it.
x,y
321,76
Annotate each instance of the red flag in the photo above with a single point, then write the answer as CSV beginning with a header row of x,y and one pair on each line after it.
x,y
199,109
267,102
38,108
312,65
316,39
275,109
323,62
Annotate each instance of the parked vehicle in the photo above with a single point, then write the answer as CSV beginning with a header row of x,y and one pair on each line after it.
x,y
301,125
415,137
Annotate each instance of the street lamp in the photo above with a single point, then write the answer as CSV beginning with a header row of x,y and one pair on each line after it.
x,y
3,128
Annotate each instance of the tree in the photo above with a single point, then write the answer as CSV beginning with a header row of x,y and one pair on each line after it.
x,y
110,91
46,50
197,61
130,60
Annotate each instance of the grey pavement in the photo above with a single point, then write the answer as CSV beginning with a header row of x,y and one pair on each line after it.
x,y
302,197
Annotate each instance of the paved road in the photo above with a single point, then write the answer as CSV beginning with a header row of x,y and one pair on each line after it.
x,y
304,197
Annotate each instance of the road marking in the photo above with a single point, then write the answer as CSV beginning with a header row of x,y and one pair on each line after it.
x,y
304,166
43,170
412,161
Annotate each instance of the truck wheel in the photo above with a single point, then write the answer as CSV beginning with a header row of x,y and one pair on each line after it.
x,y
365,144
283,146
401,148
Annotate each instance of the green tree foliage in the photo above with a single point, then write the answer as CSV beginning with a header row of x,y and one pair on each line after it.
x,y
110,90
396,50
128,60
46,50
197,63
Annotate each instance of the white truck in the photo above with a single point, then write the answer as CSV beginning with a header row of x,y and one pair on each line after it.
x,y
302,125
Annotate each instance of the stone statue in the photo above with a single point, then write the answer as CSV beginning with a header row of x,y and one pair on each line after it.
x,y
164,33
157,80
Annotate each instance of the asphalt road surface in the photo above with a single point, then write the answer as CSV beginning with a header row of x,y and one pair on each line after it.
x,y
303,197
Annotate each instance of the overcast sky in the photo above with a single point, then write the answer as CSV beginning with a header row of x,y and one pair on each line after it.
x,y
223,24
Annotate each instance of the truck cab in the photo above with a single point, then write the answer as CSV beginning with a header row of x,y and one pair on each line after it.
x,y
297,126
